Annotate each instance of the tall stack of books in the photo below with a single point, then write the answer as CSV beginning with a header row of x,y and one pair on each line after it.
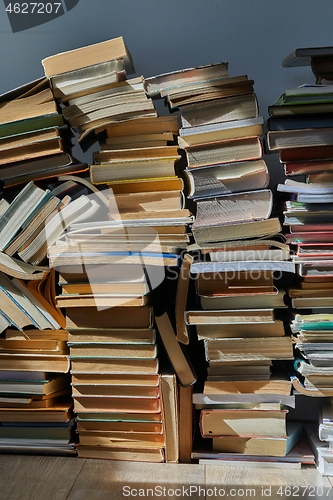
x,y
109,268
300,129
34,363
237,296
35,141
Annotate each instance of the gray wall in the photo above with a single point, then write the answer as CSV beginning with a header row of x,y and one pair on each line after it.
x,y
252,35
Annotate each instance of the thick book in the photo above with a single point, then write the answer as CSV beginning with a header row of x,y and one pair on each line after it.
x,y
227,151
228,114
236,231
235,129
267,445
226,178
248,349
87,56
219,317
87,81
248,205
299,138
136,169
242,422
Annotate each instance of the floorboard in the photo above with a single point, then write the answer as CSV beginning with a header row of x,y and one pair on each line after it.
x,y
37,477
60,478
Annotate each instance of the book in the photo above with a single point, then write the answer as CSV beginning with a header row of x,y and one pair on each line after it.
x,y
19,308
303,56
118,439
36,250
276,328
239,230
20,210
299,138
41,168
272,386
235,129
291,110
111,366
129,382
111,155
18,269
319,58
109,391
34,387
33,362
116,351
174,351
107,453
148,201
218,111
86,56
230,317
155,84
300,122
143,125
23,108
247,349
122,426
100,77
218,267
182,333
277,446
242,423
117,317
247,205
113,172
139,186
240,301
227,151
185,422
170,412
225,178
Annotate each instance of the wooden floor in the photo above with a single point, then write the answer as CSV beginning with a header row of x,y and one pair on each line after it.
x,y
55,478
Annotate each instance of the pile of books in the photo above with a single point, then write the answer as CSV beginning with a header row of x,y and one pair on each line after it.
x,y
300,129
109,269
35,141
35,404
234,269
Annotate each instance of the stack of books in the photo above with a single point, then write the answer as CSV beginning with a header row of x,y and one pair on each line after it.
x,y
234,272
115,383
300,129
108,277
35,141
34,219
35,403
313,363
